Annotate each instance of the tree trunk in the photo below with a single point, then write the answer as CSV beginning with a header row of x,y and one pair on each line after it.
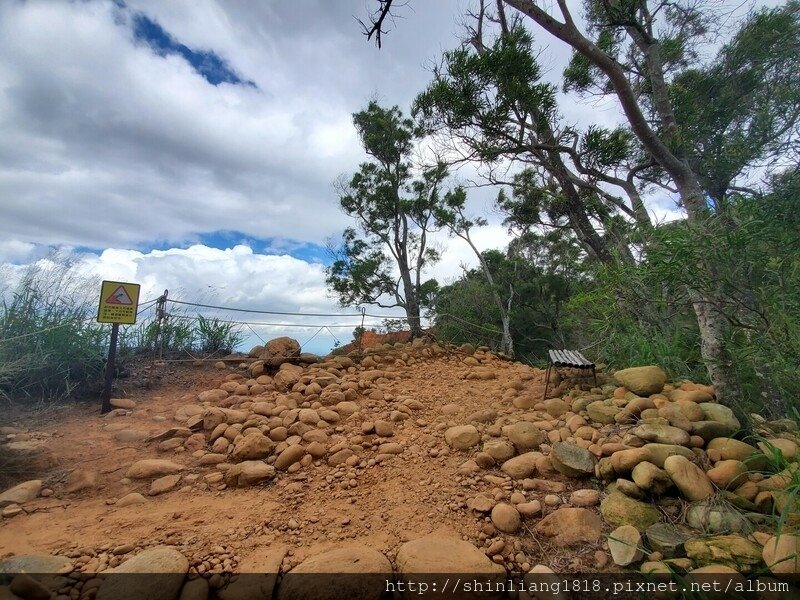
x,y
720,367
507,343
411,303
710,321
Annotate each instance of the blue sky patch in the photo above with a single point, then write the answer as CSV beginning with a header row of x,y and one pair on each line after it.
x,y
209,65
223,239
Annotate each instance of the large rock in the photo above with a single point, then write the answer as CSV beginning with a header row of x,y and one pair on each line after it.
x,y
152,467
355,572
288,457
690,479
34,454
164,484
650,478
619,509
287,376
730,550
280,350
571,525
625,543
33,563
442,553
212,396
506,518
782,556
719,422
431,558
788,448
728,474
525,436
499,449
462,437
715,517
155,574
660,452
556,407
130,500
521,466
661,434
666,539
600,412
25,586
253,447
22,493
642,381
624,461
249,472
572,460
260,569
256,351
731,449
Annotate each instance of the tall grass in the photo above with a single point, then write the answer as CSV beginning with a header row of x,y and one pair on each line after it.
x,y
181,334
50,345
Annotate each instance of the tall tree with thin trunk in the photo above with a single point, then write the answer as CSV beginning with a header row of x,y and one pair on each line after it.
x,y
395,215
451,215
489,105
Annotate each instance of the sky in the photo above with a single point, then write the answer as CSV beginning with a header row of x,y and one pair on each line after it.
x,y
191,145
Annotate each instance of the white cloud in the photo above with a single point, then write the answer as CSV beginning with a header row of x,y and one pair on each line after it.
x,y
104,143
14,251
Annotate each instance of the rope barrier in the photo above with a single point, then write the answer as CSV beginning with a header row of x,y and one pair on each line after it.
x,y
312,337
475,325
163,299
263,312
298,325
285,314
146,306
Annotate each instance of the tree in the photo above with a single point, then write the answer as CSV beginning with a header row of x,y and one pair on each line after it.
x,y
452,216
637,50
467,310
394,212
487,104
638,46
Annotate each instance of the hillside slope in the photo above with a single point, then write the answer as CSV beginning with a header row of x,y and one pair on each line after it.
x,y
415,440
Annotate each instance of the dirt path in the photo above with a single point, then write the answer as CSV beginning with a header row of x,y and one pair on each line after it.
x,y
382,504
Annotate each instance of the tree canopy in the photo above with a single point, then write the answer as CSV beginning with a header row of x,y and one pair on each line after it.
x,y
394,212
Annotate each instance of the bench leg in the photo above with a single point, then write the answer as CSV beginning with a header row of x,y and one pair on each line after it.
x,y
546,381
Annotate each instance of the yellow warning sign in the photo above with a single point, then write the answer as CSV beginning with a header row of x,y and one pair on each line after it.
x,y
118,302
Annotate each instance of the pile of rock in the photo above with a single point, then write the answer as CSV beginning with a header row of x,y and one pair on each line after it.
x,y
295,409
648,470
658,447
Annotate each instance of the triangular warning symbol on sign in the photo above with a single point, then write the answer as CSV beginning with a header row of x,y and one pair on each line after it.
x,y
119,296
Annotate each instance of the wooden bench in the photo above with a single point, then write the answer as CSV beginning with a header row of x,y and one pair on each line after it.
x,y
567,358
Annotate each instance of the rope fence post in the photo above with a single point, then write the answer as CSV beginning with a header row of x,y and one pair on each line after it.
x,y
161,317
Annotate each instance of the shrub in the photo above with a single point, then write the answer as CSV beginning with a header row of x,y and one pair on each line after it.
x,y
50,345
215,335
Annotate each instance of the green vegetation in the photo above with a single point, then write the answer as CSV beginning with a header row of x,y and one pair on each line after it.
x,y
712,296
50,345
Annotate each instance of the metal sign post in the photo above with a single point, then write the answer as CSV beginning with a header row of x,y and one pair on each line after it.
x,y
118,304
105,405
